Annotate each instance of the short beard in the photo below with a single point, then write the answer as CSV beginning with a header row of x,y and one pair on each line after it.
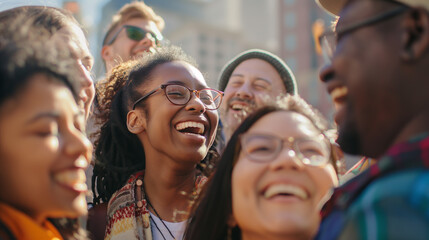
x,y
232,124
349,140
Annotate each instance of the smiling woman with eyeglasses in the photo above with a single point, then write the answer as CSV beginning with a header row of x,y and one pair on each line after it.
x,y
181,95
272,179
155,146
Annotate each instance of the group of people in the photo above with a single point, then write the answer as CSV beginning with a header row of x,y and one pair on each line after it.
x,y
173,158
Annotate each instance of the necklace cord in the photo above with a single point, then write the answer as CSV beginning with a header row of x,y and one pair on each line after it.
x,y
139,189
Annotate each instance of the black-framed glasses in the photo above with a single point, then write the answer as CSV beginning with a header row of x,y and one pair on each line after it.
x,y
136,34
181,95
329,39
265,148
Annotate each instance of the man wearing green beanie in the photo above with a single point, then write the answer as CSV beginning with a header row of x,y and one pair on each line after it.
x,y
250,79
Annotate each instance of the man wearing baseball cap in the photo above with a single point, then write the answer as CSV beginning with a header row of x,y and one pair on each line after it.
x,y
378,75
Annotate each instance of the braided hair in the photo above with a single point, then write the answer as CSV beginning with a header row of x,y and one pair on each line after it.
x,y
118,152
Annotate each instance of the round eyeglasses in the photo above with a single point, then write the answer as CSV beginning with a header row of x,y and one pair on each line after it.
x,y
181,95
328,40
265,148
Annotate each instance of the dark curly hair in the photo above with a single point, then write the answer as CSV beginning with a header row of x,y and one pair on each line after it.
x,y
118,152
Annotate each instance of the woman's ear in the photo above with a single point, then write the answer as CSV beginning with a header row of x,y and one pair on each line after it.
x,y
106,53
136,122
416,35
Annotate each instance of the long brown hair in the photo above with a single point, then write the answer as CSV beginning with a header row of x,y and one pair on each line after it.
x,y
209,219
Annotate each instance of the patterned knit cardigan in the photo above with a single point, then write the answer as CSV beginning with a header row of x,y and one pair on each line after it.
x,y
127,212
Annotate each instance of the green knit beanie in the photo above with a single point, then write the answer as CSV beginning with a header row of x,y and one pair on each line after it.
x,y
281,67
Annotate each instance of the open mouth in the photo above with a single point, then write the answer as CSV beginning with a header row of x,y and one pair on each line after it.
x,y
285,190
239,106
141,52
191,127
339,95
74,179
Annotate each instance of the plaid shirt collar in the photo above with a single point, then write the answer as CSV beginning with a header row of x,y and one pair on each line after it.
x,y
411,154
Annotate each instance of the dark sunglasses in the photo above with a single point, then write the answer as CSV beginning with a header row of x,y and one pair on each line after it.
x,y
136,34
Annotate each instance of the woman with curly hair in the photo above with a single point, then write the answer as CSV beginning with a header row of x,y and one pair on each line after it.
x,y
155,144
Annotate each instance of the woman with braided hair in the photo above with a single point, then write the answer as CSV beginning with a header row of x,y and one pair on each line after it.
x,y
155,144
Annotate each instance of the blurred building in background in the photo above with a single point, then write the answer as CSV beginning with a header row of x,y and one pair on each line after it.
x,y
297,46
214,31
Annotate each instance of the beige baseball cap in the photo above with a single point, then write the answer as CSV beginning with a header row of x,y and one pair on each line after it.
x,y
335,6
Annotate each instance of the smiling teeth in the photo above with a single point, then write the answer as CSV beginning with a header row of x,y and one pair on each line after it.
x,y
237,107
81,162
338,93
184,125
285,189
73,178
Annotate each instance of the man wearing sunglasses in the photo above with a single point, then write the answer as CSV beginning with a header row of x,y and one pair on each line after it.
x,y
378,76
135,30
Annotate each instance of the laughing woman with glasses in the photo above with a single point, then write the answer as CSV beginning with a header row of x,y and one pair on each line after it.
x,y
272,179
155,145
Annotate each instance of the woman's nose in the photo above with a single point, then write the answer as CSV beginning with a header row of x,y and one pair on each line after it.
x,y
195,104
287,158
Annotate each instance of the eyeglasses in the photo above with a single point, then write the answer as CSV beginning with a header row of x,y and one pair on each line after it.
x,y
328,40
181,95
136,34
266,148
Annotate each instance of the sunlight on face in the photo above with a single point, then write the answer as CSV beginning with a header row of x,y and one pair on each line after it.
x,y
252,84
283,196
77,44
164,132
47,166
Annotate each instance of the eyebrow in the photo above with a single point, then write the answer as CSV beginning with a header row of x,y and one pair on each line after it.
x,y
175,82
53,115
237,75
263,79
258,78
178,82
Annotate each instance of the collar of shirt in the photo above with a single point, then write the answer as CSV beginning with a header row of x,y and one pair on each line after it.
x,y
407,155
